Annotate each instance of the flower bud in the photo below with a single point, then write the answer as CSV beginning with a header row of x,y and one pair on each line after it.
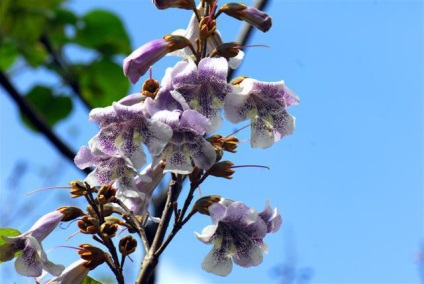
x,y
251,15
108,230
150,88
88,225
139,61
70,213
127,245
182,4
227,50
222,169
93,255
230,144
78,188
106,194
202,204
108,210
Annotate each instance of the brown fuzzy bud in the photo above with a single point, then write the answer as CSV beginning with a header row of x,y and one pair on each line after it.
x,y
78,188
93,255
108,229
70,213
230,144
227,50
127,245
108,210
176,42
202,204
150,88
88,225
222,169
106,194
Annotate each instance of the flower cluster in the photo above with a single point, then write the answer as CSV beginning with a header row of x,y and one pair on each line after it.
x,y
166,129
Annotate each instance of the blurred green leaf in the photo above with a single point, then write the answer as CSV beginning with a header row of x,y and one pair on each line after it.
x,y
103,31
61,20
8,55
102,83
89,280
52,108
8,232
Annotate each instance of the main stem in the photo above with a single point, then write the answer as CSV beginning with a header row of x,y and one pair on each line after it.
x,y
151,258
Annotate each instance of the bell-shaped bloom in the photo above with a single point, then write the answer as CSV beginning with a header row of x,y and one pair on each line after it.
x,y
251,15
33,259
265,104
237,235
139,197
74,273
187,147
116,150
139,61
182,4
203,87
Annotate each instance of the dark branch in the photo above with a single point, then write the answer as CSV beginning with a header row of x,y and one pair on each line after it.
x,y
36,119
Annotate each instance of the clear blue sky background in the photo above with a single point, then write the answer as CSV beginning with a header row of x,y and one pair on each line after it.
x,y
348,183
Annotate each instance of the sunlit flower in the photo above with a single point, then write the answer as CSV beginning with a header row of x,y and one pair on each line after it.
x,y
116,150
237,235
265,104
33,259
183,4
187,147
203,87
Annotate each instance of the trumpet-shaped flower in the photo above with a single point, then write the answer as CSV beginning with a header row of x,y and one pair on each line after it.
x,y
187,147
265,104
203,87
237,235
33,259
116,150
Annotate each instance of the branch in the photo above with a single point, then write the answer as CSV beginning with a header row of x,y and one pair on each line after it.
x,y
37,120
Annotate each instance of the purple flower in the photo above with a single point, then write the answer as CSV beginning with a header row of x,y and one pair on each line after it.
x,y
237,235
251,15
187,147
183,4
139,61
33,259
265,104
116,150
203,87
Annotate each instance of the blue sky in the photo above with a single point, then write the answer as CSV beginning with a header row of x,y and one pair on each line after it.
x,y
348,183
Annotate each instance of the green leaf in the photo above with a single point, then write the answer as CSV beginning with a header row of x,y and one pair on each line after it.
x,y
8,55
102,83
7,248
89,280
61,20
103,31
52,108
8,232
